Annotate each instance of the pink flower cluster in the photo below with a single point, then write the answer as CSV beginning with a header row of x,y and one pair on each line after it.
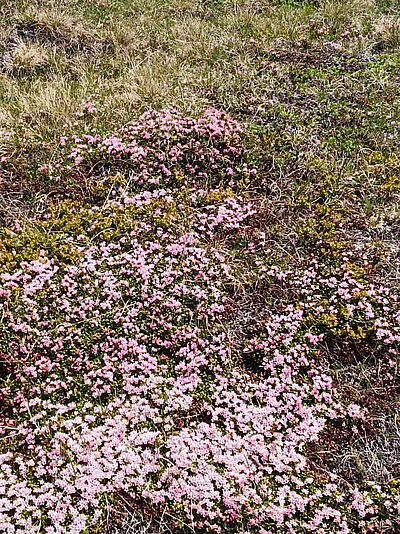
x,y
164,148
124,377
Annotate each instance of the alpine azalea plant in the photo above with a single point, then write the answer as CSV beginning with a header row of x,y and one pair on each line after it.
x,y
123,379
162,148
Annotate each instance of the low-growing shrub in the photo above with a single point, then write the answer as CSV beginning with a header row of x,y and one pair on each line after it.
x,y
122,379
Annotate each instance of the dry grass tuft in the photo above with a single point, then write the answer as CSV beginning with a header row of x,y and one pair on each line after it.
x,y
387,33
25,59
373,458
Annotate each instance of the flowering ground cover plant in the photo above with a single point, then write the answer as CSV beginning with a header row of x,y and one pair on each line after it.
x,y
125,380
161,148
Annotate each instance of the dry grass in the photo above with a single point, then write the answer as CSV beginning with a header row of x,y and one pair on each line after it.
x,y
134,55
